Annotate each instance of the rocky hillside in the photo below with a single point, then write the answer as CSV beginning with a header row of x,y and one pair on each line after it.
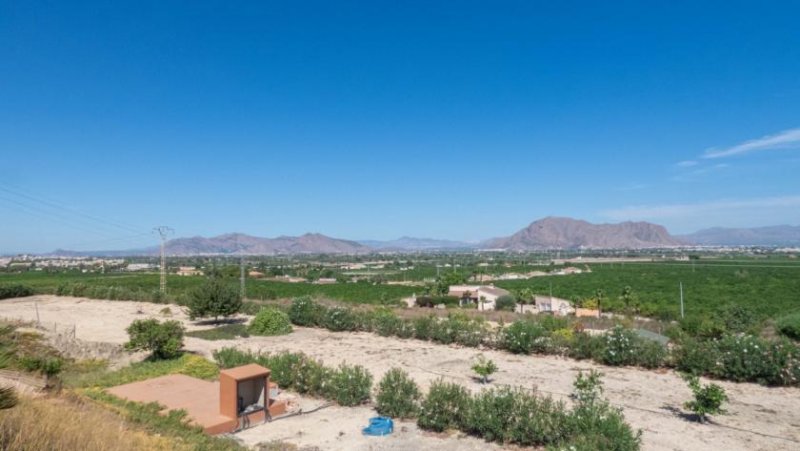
x,y
567,233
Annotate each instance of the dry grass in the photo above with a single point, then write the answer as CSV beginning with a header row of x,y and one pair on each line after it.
x,y
69,423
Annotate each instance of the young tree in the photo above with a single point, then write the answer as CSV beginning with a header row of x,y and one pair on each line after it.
x,y
214,299
164,340
708,399
484,368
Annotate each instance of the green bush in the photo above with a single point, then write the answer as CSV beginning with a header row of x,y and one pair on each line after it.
x,y
347,385
424,327
338,319
164,340
695,356
521,336
386,323
48,365
432,301
708,399
270,322
506,303
620,347
484,368
305,312
15,291
398,395
459,328
594,424
350,385
232,357
741,358
512,415
650,354
444,407
585,346
215,298
789,325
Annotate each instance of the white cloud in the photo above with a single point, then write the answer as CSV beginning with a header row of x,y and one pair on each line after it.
x,y
686,164
678,211
783,140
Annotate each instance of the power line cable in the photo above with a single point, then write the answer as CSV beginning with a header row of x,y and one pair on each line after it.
x,y
59,206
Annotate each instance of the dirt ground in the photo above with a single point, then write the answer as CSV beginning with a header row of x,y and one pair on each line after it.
x,y
759,418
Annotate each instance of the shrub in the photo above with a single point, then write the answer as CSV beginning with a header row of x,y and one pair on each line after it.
x,y
386,323
164,340
595,424
398,395
513,415
520,337
745,358
505,302
620,347
350,385
199,367
338,319
484,368
15,291
695,356
214,298
270,321
708,399
432,301
789,325
445,407
424,327
553,323
650,354
48,365
459,328
585,346
347,385
305,312
232,357
737,318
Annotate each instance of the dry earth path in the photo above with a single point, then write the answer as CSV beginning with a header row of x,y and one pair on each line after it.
x,y
760,418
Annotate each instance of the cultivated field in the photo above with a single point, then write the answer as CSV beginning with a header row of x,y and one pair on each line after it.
x,y
759,418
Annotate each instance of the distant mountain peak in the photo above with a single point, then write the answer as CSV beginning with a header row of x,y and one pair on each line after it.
x,y
555,232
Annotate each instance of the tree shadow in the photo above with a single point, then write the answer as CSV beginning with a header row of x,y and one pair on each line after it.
x,y
220,322
693,417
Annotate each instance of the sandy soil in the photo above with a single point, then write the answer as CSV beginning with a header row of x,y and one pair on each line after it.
x,y
759,418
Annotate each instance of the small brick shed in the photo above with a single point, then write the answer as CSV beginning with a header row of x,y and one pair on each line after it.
x,y
236,401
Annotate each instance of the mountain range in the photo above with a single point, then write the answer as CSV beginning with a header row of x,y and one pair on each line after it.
x,y
782,235
416,244
546,233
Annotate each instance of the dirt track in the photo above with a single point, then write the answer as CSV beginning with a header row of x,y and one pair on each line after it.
x,y
759,418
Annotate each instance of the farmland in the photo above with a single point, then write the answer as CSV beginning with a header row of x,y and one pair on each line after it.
x,y
769,287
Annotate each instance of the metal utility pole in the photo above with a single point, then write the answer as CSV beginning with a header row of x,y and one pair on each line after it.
x,y
241,277
680,285
241,270
163,232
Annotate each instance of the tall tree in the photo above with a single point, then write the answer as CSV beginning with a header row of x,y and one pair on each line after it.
x,y
215,298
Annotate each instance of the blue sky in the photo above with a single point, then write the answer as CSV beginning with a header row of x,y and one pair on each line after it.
x,y
380,119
